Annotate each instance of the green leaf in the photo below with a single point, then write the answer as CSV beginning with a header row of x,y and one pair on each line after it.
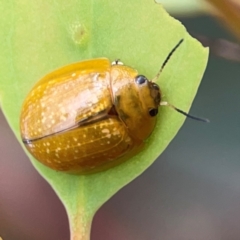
x,y
39,36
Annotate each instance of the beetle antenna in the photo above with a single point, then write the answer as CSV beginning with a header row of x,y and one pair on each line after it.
x,y
166,60
184,113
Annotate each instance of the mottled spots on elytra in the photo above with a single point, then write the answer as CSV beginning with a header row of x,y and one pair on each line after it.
x,y
105,130
76,94
108,135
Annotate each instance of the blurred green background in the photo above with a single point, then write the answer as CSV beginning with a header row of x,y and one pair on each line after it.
x,y
192,192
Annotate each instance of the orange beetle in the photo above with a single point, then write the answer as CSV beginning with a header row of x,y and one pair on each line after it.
x,y
89,116
84,116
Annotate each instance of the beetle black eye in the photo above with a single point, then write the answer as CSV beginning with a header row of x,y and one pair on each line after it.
x,y
153,112
140,79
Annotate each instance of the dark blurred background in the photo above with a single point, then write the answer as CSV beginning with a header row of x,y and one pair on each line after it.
x,y
192,192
